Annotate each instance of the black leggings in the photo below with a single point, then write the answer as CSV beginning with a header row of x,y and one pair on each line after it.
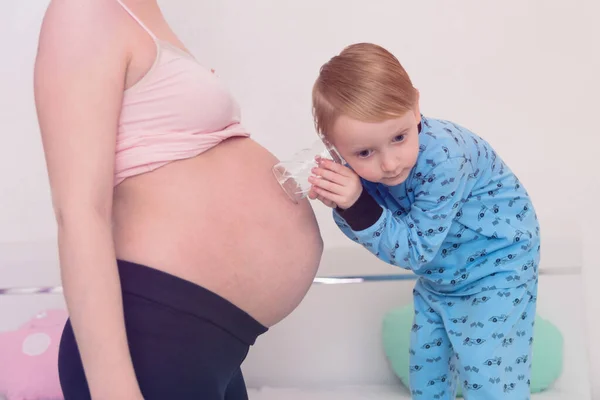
x,y
185,341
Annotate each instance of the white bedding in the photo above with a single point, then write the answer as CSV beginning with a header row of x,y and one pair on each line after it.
x,y
323,348
365,393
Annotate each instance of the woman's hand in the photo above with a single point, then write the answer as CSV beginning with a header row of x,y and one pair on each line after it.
x,y
334,184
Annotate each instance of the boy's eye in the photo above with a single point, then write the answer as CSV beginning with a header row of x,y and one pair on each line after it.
x,y
364,153
399,138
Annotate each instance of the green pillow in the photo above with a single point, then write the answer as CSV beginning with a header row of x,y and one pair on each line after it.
x,y
547,355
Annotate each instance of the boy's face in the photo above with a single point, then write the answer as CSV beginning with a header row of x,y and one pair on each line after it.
x,y
383,152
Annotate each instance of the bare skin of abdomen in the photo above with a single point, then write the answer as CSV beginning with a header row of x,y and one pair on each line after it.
x,y
221,220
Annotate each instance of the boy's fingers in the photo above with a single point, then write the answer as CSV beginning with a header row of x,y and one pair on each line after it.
x,y
335,167
325,201
325,184
329,175
329,203
332,198
312,194
323,196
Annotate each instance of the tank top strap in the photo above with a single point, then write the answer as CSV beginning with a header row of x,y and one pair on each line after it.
x,y
137,20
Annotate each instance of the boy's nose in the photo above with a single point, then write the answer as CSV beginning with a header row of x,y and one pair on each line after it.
x,y
389,164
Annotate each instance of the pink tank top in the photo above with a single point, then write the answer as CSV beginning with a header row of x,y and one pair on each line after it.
x,y
178,110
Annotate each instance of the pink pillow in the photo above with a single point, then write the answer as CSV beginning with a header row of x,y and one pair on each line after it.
x,y
29,370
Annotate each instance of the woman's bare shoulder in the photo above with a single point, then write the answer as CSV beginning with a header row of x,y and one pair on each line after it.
x,y
74,21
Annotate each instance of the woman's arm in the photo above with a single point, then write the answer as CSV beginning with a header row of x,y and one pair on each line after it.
x,y
79,81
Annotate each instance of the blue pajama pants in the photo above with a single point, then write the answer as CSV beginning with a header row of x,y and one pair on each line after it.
x,y
481,341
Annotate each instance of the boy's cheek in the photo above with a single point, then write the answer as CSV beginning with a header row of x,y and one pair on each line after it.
x,y
367,173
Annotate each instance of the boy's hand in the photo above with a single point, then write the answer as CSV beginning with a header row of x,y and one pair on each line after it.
x,y
334,184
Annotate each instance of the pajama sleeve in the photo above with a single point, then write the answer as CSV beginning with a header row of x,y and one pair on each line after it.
x,y
411,239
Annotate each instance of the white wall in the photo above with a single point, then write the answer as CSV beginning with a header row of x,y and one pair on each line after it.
x,y
25,213
520,73
591,221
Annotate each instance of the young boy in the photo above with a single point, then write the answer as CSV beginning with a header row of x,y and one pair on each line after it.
x,y
431,196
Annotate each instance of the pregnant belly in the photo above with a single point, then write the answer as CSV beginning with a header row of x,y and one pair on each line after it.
x,y
220,220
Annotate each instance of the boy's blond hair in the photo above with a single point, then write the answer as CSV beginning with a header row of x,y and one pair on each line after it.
x,y
364,82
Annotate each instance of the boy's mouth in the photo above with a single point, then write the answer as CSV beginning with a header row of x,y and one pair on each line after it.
x,y
394,177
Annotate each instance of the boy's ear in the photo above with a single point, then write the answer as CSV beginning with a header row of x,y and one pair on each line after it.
x,y
417,108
